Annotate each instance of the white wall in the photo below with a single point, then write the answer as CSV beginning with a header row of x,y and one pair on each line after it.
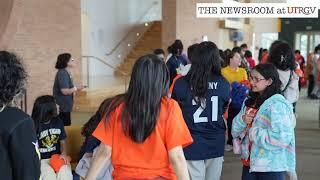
x,y
262,28
107,23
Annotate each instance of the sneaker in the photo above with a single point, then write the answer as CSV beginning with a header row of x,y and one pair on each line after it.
x,y
228,147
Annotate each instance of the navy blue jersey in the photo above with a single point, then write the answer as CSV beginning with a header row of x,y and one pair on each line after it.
x,y
173,63
206,124
49,138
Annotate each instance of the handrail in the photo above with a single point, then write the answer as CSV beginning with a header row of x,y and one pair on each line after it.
x,y
125,37
105,63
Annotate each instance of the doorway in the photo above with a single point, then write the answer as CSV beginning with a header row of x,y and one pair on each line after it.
x,y
306,42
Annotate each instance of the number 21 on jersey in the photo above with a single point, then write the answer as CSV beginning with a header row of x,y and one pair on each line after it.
x,y
214,111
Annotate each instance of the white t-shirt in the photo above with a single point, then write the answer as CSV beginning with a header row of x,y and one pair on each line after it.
x,y
292,91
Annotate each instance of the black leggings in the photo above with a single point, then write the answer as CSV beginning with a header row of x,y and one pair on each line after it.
x,y
310,84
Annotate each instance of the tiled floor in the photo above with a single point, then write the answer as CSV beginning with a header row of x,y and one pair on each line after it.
x,y
307,142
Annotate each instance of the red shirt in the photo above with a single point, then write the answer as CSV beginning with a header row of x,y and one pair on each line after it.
x,y
251,62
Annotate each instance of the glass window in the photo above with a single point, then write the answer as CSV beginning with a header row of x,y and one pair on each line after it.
x,y
267,39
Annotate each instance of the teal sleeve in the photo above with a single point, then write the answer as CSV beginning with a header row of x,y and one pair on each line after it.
x,y
238,126
277,131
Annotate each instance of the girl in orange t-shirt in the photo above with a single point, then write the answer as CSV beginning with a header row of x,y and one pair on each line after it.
x,y
143,131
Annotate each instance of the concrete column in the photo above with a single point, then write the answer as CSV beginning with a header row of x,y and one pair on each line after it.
x,y
169,23
5,11
190,29
180,22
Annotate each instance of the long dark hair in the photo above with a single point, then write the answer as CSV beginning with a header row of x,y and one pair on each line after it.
x,y
44,109
282,56
268,71
226,59
261,51
149,83
106,105
260,54
191,50
206,61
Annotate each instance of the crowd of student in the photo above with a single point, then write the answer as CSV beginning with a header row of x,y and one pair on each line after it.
x,y
313,72
169,124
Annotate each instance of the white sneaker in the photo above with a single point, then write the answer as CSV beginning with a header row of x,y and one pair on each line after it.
x,y
228,147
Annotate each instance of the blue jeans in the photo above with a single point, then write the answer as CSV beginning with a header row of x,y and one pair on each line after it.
x,y
246,175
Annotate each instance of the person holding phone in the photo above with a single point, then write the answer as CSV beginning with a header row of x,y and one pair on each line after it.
x,y
265,126
63,87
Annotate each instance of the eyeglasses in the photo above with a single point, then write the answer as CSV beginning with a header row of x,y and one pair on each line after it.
x,y
255,79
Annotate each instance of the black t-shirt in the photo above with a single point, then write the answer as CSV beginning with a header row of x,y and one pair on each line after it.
x,y
206,123
49,137
19,157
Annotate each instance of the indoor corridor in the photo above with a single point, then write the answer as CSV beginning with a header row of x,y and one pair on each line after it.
x,y
307,141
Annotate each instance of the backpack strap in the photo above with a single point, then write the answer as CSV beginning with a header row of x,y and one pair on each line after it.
x,y
289,81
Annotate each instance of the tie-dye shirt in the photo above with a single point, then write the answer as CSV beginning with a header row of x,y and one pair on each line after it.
x,y
272,136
